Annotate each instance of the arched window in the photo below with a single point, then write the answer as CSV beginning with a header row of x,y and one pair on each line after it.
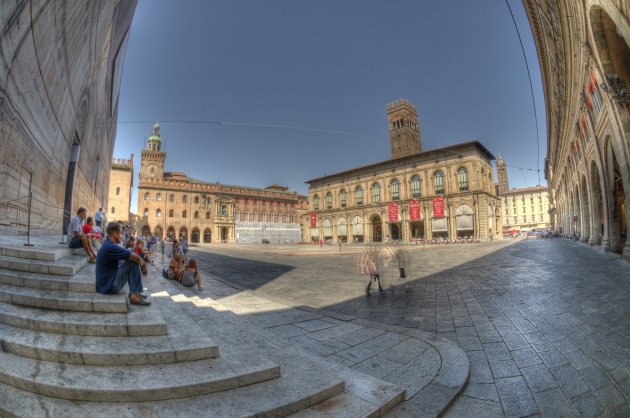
x,y
184,199
223,210
328,200
208,215
438,181
271,217
196,200
415,186
376,193
287,218
462,179
264,216
113,210
196,215
246,216
255,216
158,197
147,196
184,214
117,191
316,202
395,186
171,213
171,198
358,192
158,213
237,215
344,198
145,212
279,218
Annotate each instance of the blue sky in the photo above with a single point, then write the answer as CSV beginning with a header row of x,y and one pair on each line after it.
x,y
301,87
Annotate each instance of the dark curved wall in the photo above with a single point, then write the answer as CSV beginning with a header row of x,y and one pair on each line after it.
x,y
60,69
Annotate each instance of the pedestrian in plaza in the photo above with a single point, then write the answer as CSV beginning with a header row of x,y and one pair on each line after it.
x,y
99,217
110,278
77,239
162,245
190,276
184,248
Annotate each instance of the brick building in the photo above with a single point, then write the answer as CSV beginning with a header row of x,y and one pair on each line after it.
x,y
172,204
395,199
120,187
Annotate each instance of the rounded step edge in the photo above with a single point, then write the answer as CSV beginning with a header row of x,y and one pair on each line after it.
x,y
131,384
103,351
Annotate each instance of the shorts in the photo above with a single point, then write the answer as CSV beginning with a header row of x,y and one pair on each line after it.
x,y
75,242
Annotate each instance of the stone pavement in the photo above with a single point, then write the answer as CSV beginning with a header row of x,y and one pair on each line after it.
x,y
545,324
431,369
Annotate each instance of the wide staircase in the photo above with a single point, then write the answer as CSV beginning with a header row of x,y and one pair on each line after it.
x,y
69,351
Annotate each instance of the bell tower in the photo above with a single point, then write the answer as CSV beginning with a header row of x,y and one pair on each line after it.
x,y
502,175
152,158
404,130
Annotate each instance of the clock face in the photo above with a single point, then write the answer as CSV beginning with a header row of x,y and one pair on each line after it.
x,y
152,171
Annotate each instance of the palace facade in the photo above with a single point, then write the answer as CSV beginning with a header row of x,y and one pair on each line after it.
x,y
584,53
173,205
396,199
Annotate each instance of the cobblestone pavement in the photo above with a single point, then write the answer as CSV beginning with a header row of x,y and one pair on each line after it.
x,y
545,323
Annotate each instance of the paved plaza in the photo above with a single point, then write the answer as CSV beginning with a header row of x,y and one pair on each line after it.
x,y
545,324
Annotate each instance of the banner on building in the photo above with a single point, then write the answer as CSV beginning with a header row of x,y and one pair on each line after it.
x,y
414,210
392,210
438,207
313,220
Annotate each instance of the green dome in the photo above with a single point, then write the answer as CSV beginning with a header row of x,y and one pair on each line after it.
x,y
155,138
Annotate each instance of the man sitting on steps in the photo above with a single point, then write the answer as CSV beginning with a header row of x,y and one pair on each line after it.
x,y
76,237
116,266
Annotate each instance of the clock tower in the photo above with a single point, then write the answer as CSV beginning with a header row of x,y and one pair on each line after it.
x,y
152,158
404,130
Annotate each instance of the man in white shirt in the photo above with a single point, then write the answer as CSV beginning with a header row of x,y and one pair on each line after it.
x,y
76,239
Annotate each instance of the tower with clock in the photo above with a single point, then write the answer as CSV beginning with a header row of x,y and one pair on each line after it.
x,y
152,158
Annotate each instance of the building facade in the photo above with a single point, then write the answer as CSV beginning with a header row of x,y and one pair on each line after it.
x,y
173,205
59,85
120,187
525,209
584,53
395,199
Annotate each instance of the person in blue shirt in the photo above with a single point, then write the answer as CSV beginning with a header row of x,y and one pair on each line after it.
x,y
99,218
116,266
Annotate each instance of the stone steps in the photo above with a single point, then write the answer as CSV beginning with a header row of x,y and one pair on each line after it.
x,y
48,252
138,321
67,266
135,383
107,351
61,300
81,282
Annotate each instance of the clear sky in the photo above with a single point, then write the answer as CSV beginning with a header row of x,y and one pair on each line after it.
x,y
301,87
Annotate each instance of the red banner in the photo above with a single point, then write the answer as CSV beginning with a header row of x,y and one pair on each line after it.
x,y
313,220
392,210
438,207
414,210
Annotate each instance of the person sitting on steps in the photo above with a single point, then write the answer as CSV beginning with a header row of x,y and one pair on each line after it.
x,y
140,251
77,239
112,278
174,268
96,238
190,276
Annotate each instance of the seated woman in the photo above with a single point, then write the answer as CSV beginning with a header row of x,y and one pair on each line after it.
x,y
174,268
96,238
190,276
140,251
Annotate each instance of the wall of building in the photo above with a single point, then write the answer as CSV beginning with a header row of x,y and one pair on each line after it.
x,y
361,221
120,189
59,84
525,209
583,48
